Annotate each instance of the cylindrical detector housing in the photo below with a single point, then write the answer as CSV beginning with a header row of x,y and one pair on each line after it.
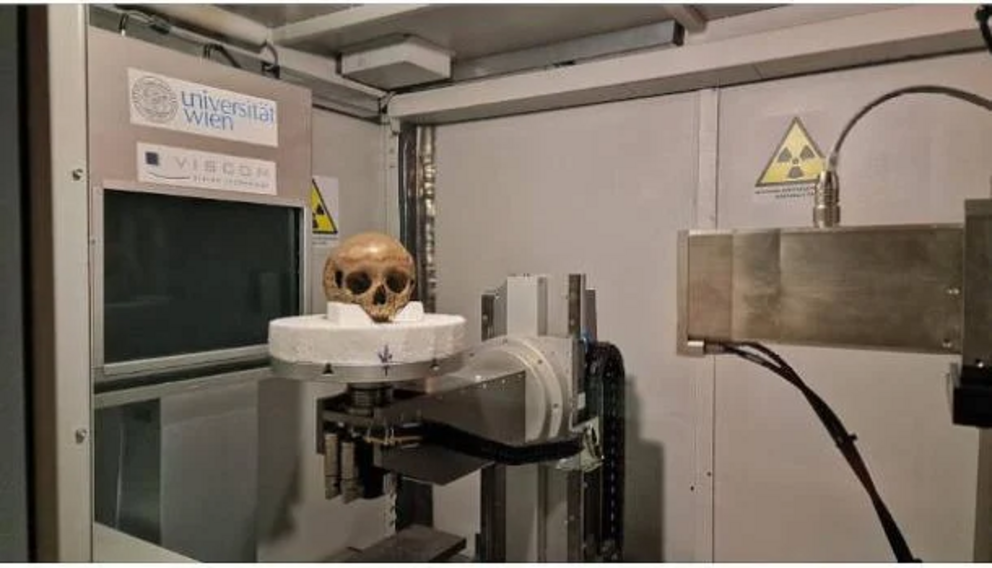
x,y
547,400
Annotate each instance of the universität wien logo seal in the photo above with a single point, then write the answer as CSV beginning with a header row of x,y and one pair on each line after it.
x,y
154,99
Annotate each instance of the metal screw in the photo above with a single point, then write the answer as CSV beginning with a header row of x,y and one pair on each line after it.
x,y
81,434
77,174
947,344
954,291
979,363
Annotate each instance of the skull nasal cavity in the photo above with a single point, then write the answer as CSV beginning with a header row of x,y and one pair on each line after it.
x,y
358,282
380,296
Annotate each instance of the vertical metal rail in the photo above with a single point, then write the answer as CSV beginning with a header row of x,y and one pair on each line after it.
x,y
983,495
491,544
983,511
60,363
417,209
407,168
414,501
426,211
576,480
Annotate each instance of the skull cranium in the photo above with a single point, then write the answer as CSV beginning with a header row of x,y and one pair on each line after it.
x,y
372,270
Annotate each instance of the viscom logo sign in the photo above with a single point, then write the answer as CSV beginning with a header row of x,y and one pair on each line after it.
x,y
185,167
164,102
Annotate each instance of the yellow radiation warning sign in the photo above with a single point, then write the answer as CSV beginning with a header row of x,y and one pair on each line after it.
x,y
323,222
796,160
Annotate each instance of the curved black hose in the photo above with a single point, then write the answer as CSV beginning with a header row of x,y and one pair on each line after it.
x,y
914,90
840,435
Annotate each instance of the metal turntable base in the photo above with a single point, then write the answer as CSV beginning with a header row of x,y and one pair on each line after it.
x,y
369,374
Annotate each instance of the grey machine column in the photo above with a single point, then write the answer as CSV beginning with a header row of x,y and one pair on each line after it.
x,y
557,502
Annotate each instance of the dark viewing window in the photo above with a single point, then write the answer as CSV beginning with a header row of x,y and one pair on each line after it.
x,y
185,275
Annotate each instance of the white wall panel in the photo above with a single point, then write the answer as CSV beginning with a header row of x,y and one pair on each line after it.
x,y
783,492
600,190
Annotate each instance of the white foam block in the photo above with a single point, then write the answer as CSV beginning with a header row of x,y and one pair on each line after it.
x,y
344,337
352,315
414,311
348,315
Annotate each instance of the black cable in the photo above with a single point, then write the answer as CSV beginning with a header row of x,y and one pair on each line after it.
x,y
209,49
272,69
840,435
474,445
982,14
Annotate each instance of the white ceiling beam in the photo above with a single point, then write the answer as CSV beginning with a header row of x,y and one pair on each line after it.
x,y
781,18
691,19
820,46
340,21
652,36
214,19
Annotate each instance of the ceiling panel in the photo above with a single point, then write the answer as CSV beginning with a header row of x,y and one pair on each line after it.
x,y
275,15
718,11
475,30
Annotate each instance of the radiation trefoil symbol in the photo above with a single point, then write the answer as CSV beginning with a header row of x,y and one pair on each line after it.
x,y
797,160
323,223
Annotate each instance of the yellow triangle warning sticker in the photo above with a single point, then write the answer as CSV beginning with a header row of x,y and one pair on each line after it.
x,y
796,160
323,223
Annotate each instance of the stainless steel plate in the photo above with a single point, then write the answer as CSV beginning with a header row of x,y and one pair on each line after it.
x,y
894,287
370,374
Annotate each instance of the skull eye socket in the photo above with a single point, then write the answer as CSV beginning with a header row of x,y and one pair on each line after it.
x,y
397,282
358,283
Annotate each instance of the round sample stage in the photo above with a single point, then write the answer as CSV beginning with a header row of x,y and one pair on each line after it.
x,y
345,345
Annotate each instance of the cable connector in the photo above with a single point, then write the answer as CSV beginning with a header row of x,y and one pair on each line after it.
x,y
982,14
826,200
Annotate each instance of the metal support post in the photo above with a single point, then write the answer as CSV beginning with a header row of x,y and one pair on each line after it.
x,y
576,479
491,544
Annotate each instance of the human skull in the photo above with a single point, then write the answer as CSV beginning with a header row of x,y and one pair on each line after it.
x,y
372,270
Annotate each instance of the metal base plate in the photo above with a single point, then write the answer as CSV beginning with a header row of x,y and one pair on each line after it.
x,y
414,544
